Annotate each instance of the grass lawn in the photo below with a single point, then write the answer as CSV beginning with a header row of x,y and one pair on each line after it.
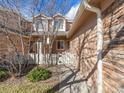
x,y
22,85
25,87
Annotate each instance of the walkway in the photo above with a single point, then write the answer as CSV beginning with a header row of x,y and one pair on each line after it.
x,y
71,81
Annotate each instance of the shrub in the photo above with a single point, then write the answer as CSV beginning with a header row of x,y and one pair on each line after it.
x,y
37,74
16,63
3,74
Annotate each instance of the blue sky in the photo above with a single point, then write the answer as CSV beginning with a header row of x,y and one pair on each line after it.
x,y
49,7
65,7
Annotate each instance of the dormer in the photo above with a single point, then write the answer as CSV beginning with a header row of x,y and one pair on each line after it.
x,y
59,22
41,23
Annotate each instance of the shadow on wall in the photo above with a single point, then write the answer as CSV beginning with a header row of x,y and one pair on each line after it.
x,y
86,53
85,63
113,68
113,51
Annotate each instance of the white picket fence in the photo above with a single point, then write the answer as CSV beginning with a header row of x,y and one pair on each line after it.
x,y
63,58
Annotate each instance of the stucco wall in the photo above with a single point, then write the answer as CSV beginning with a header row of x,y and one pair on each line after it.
x,y
83,44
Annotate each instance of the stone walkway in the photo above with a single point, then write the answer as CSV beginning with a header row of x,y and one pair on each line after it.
x,y
71,81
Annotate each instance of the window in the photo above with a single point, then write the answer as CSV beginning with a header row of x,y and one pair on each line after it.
x,y
41,25
58,23
60,44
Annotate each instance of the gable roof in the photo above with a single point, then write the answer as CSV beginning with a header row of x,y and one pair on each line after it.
x,y
42,15
47,17
58,15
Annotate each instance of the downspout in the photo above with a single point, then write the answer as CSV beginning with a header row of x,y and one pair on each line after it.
x,y
99,44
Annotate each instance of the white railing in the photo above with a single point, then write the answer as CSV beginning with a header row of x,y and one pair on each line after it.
x,y
61,58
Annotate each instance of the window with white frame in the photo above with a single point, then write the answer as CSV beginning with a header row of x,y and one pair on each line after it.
x,y
41,25
60,44
59,24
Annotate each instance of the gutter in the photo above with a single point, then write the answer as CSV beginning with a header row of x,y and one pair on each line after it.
x,y
99,44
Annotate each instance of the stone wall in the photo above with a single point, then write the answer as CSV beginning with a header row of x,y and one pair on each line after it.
x,y
113,53
83,44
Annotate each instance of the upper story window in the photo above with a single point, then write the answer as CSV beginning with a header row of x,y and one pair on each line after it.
x,y
41,25
59,24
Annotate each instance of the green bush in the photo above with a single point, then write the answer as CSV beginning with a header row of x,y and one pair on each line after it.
x,y
3,74
37,74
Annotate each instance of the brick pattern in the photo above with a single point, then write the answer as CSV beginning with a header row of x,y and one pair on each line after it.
x,y
9,22
114,48
9,45
84,45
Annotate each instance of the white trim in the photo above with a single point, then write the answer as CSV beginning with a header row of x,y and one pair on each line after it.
x,y
42,15
64,24
46,26
58,14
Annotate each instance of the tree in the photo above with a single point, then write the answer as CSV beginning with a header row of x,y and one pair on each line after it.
x,y
12,29
47,37
17,62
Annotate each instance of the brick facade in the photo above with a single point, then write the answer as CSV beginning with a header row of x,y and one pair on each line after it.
x,y
10,32
83,43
